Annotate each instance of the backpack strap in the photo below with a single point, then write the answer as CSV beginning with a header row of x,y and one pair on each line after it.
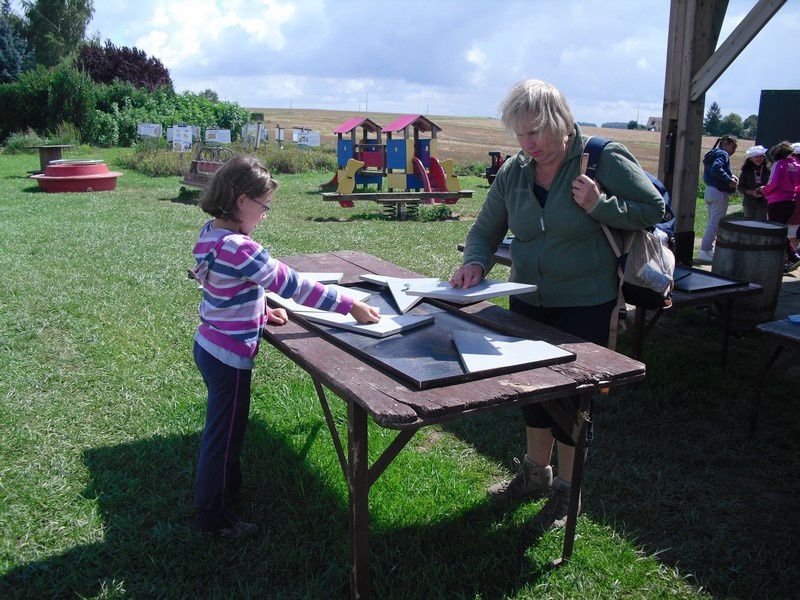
x,y
594,149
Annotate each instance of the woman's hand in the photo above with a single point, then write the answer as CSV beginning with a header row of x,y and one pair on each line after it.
x,y
467,276
585,191
277,316
364,313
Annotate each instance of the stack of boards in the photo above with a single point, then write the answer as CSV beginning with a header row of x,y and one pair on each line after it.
x,y
477,351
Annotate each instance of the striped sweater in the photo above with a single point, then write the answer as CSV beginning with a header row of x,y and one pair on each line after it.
x,y
233,272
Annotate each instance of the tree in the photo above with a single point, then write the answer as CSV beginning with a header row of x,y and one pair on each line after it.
x,y
210,94
105,64
15,57
713,120
633,124
732,125
750,126
56,28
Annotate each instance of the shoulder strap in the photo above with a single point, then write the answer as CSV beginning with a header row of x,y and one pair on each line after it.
x,y
594,148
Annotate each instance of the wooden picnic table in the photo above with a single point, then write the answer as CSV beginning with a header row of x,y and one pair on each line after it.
x,y
50,152
369,391
780,350
722,298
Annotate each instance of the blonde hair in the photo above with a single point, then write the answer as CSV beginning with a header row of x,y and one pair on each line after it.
x,y
538,106
240,175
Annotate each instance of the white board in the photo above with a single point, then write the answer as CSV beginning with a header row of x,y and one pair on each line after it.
x,y
481,352
293,306
488,288
150,130
322,277
307,139
397,286
388,325
182,138
219,136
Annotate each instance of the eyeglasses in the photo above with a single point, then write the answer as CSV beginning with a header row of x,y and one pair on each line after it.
x,y
264,207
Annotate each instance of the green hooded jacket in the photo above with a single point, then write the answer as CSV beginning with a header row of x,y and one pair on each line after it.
x,y
561,248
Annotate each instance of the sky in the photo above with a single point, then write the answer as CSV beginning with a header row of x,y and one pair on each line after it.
x,y
439,57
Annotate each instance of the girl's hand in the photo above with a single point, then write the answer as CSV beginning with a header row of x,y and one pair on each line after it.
x,y
585,191
467,276
277,316
364,313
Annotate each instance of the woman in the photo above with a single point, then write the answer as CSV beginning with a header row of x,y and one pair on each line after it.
x,y
755,173
720,182
781,192
555,213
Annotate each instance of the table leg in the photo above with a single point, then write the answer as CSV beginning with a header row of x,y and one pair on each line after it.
x,y
766,364
358,491
639,324
581,428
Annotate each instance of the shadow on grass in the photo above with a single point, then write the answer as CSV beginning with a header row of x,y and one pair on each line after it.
x,y
150,549
33,189
671,467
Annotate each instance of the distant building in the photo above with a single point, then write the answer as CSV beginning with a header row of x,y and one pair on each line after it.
x,y
653,124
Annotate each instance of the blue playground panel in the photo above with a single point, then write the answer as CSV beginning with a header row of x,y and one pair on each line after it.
x,y
396,154
369,179
413,182
424,152
344,151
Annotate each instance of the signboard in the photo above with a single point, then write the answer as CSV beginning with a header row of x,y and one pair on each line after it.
x,y
219,136
182,138
250,131
149,130
279,131
306,138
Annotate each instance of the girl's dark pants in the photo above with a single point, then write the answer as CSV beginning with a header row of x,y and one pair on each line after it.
x,y
591,323
219,473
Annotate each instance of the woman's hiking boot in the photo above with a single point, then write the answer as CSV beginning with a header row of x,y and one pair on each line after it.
x,y
531,481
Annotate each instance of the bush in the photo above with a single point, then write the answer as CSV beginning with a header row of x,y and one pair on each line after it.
x,y
21,142
70,97
65,133
291,159
101,130
153,157
435,212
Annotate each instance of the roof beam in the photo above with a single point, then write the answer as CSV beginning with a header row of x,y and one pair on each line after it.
x,y
733,45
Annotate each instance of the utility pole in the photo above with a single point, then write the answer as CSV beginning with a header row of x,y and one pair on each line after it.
x,y
366,107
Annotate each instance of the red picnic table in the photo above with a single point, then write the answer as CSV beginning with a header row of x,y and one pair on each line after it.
x,y
395,404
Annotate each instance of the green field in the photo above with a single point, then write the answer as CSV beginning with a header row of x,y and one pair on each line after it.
x,y
101,410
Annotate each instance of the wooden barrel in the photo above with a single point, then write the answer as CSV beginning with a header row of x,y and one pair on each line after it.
x,y
752,251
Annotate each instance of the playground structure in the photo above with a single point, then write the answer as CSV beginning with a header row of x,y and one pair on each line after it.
x,y
396,157
205,163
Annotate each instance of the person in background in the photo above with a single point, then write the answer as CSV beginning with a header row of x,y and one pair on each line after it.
x,y
796,150
720,182
755,173
782,191
555,213
234,271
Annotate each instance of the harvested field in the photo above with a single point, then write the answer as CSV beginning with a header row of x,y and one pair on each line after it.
x,y
469,139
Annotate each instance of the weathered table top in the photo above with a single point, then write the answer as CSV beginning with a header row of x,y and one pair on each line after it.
x,y
782,329
395,405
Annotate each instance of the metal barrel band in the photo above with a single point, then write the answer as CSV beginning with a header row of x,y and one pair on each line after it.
x,y
750,246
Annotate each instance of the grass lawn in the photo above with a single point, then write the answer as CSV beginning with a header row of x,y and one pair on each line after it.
x,y
101,409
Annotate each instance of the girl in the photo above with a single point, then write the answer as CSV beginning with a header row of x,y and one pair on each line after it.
x,y
782,192
233,271
720,182
755,173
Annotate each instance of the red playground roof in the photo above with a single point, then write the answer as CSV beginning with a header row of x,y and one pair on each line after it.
x,y
418,121
351,124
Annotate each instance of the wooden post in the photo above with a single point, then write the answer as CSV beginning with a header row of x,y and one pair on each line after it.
x,y
694,27
358,488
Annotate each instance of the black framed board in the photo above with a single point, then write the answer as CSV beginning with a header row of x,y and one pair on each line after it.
x,y
425,357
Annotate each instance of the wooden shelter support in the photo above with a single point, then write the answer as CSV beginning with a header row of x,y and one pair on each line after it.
x,y
692,67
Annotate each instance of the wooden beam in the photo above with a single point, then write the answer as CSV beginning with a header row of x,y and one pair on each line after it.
x,y
733,45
